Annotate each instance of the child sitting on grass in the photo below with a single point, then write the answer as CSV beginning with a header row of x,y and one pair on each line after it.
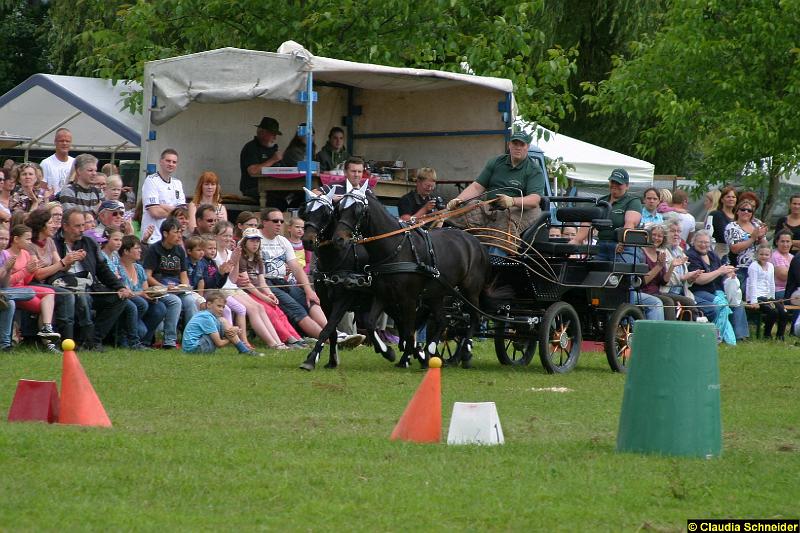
x,y
205,331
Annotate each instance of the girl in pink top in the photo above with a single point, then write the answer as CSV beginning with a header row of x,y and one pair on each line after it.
x,y
22,274
781,258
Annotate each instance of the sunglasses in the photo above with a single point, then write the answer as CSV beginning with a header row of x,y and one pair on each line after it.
x,y
278,220
745,209
117,213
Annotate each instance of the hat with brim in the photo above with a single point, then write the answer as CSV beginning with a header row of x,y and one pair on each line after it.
x,y
111,205
269,124
250,233
521,136
619,175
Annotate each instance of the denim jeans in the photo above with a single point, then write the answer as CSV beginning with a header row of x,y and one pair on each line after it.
x,y
13,294
149,314
654,307
174,304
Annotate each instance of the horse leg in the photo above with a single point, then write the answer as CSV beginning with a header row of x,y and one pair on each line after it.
x,y
378,344
464,350
333,358
313,356
434,329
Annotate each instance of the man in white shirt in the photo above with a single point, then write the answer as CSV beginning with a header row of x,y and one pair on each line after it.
x,y
57,167
161,193
680,211
299,302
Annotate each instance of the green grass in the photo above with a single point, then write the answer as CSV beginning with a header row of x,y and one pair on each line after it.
x,y
237,443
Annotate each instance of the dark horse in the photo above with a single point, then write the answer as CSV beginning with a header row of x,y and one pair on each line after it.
x,y
339,280
414,270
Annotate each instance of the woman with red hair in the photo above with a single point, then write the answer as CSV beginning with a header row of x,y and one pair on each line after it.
x,y
209,192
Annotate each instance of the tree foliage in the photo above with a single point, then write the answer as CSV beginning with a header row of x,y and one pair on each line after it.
x,y
494,38
719,84
21,42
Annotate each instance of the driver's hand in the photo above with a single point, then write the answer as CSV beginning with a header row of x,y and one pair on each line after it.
x,y
504,201
454,203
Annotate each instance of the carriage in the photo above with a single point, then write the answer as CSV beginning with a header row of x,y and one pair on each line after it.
x,y
553,295
545,293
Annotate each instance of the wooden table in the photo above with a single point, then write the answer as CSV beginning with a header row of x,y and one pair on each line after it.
x,y
391,190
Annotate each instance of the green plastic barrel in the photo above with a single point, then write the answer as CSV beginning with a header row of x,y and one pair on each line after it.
x,y
671,404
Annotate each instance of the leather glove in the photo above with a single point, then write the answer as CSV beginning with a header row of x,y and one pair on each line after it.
x,y
504,202
452,204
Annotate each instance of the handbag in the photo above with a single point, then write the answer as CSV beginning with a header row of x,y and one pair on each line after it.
x,y
733,291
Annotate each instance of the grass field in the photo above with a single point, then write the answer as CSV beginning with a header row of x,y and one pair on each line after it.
x,y
236,443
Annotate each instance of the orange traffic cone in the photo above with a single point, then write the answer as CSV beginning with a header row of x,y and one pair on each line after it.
x,y
422,419
79,402
34,400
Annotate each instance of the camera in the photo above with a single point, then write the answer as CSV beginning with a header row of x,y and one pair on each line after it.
x,y
439,203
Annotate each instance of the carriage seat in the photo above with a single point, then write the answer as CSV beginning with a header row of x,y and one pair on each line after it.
x,y
621,268
536,235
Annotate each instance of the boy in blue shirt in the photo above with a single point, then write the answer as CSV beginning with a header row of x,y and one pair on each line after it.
x,y
207,330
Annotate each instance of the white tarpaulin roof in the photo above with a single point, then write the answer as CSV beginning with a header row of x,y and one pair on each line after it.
x,y
91,108
592,163
233,74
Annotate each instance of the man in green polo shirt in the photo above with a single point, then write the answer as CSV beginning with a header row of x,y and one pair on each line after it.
x,y
626,212
516,181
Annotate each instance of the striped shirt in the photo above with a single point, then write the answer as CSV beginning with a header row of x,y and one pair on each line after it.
x,y
84,198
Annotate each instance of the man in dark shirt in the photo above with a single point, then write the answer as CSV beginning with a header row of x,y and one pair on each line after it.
x,y
165,264
518,184
260,153
89,265
421,201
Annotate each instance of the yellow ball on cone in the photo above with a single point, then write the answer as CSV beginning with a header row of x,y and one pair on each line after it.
x,y
435,362
67,345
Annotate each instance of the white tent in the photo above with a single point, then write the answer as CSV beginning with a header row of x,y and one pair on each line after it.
x,y
205,105
91,108
593,164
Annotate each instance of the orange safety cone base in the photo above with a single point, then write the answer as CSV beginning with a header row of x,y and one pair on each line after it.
x,y
422,419
79,402
34,401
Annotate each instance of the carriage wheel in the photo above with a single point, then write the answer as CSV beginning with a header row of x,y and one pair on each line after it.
x,y
513,352
619,333
559,338
448,345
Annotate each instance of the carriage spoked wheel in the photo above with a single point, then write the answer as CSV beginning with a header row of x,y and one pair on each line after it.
x,y
559,338
448,345
619,334
515,352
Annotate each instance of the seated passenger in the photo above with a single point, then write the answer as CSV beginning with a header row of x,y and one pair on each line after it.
x,y
421,201
626,212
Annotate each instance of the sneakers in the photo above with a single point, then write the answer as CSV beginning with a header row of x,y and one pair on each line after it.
x,y
92,347
343,340
296,344
48,333
50,347
253,353
140,348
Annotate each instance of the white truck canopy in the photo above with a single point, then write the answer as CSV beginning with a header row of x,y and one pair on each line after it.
x,y
206,106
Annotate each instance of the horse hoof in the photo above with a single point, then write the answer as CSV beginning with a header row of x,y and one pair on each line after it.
x,y
307,366
389,355
466,363
451,362
331,365
403,363
423,364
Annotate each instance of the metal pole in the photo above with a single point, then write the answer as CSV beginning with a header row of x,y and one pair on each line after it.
x,y
309,129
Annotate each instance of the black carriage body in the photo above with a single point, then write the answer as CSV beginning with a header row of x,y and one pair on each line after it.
x,y
555,277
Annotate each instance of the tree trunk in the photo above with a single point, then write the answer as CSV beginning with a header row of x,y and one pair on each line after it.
x,y
772,191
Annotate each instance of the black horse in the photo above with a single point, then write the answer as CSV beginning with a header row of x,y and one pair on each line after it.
x,y
414,270
340,282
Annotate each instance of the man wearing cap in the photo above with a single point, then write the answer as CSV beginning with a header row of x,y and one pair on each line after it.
x,y
515,180
110,217
262,152
626,212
